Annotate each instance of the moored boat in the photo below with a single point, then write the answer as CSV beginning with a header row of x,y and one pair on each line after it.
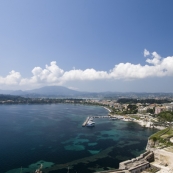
x,y
90,124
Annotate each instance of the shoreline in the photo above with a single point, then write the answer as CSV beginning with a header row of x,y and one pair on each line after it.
x,y
161,155
140,122
106,108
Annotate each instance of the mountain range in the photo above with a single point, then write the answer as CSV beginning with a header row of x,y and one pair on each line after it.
x,y
47,91
63,92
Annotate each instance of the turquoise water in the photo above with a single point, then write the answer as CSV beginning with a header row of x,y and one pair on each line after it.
x,y
53,135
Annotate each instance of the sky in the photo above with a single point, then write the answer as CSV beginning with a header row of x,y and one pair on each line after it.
x,y
87,45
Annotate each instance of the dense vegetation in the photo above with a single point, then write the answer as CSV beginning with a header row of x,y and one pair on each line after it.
x,y
166,116
10,97
162,138
131,109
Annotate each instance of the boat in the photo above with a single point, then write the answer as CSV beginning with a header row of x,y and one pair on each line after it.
x,y
91,119
90,124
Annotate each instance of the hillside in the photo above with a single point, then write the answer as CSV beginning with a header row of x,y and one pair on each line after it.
x,y
48,91
64,92
54,91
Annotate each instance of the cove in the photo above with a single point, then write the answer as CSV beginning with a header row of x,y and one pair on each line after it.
x,y
53,135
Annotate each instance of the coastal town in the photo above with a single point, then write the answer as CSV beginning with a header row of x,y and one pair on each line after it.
x,y
143,113
159,150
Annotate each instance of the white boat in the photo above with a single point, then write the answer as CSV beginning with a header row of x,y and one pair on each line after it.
x,y
91,119
90,124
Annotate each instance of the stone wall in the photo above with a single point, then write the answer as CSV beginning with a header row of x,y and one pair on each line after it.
x,y
138,164
139,168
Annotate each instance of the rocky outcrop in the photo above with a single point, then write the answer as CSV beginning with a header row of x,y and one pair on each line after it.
x,y
150,145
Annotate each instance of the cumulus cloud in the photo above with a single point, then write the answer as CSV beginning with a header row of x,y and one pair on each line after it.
x,y
156,59
156,66
50,75
146,53
88,74
12,78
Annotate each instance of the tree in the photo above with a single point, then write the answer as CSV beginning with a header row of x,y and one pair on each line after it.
x,y
154,140
165,116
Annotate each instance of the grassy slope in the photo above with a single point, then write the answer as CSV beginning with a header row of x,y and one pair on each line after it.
x,y
163,137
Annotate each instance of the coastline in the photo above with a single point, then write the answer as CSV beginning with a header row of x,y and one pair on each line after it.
x,y
162,157
143,123
148,125
106,108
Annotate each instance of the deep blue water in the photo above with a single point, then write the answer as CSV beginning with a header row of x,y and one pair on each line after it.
x,y
53,135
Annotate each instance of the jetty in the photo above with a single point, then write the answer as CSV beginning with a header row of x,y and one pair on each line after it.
x,y
85,122
101,117
88,118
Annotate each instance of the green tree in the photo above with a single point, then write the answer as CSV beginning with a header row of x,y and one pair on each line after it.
x,y
165,116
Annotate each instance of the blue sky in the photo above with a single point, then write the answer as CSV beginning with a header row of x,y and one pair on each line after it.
x,y
90,45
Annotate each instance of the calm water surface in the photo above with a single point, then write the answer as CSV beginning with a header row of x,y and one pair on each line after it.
x,y
53,135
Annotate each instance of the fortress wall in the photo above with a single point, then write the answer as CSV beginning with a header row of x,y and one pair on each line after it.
x,y
138,163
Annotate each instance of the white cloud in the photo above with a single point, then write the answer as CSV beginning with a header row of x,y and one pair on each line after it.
x,y
159,67
146,53
155,66
49,75
155,60
88,74
12,79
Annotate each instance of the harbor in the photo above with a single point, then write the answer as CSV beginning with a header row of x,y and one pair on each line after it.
x,y
111,117
89,122
90,119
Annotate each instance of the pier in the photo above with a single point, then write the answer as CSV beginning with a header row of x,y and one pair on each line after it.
x,y
101,117
85,122
88,118
108,116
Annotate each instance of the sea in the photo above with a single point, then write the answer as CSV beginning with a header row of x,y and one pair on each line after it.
x,y
52,135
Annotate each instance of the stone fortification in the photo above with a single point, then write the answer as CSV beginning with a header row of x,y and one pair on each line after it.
x,y
138,164
135,165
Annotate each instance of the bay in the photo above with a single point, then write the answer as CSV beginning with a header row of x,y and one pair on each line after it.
x,y
52,135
